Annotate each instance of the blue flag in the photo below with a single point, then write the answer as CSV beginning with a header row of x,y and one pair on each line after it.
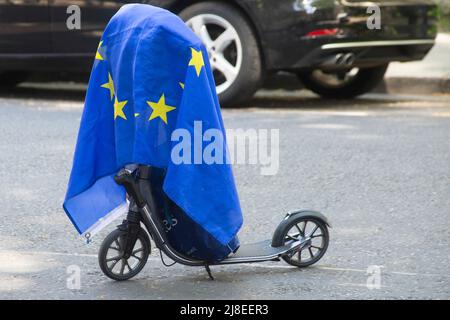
x,y
151,100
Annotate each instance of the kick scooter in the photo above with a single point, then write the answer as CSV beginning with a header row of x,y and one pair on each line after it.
x,y
301,239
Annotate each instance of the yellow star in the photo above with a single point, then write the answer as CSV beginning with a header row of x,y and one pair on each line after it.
x,y
160,109
197,60
98,56
109,85
118,109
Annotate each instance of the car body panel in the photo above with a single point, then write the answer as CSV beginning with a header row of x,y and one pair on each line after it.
x,y
287,47
24,27
281,27
94,16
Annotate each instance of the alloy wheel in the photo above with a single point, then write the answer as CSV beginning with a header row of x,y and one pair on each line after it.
x,y
223,45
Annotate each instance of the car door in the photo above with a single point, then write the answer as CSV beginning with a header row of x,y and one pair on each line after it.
x,y
67,38
24,27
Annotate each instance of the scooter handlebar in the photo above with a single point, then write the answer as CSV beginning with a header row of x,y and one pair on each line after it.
x,y
125,178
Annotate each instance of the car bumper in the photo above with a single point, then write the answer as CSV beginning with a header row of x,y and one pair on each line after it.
x,y
364,53
406,33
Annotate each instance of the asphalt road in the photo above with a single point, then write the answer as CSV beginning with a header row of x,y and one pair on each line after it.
x,y
378,167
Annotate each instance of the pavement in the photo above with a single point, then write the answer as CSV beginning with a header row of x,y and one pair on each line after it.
x,y
435,65
377,166
429,76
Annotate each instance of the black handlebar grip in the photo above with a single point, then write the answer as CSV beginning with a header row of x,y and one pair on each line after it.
x,y
126,179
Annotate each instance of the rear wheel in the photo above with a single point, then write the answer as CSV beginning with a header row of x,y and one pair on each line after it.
x,y
343,84
304,228
232,48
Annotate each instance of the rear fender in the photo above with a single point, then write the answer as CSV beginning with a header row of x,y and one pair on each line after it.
x,y
280,231
308,213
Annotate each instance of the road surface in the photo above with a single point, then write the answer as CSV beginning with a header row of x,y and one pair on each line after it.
x,y
378,167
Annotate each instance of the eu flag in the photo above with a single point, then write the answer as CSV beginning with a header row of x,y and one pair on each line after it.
x,y
151,87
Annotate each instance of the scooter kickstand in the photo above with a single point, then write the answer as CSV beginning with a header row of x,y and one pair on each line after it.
x,y
209,271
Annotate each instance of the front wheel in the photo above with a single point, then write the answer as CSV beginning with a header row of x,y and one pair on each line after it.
x,y
309,228
343,84
232,47
113,261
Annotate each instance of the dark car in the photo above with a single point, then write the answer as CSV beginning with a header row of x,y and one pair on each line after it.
x,y
334,46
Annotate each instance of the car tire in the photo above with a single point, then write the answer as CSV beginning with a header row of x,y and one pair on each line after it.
x,y
247,77
9,79
362,82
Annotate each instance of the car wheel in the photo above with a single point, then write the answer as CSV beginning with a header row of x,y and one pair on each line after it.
x,y
343,84
9,79
232,48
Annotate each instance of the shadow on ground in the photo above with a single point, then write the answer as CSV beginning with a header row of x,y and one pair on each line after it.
x,y
266,99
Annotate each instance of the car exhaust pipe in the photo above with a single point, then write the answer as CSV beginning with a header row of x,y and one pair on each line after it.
x,y
349,59
339,60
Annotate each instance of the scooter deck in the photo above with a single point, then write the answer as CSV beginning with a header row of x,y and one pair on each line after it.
x,y
260,248
255,252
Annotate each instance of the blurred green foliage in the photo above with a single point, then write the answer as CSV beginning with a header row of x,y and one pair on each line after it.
x,y
444,5
444,15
